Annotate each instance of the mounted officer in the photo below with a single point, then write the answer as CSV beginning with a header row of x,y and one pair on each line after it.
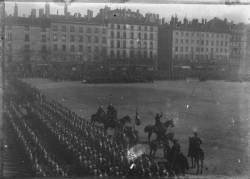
x,y
158,120
196,141
111,112
100,111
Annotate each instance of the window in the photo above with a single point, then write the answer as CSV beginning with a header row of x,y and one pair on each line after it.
x,y
221,43
54,28
43,29
212,43
181,49
112,34
104,40
118,53
26,37
55,47
9,37
112,44
27,28
132,27
151,36
202,42
206,42
118,35
186,40
63,47
176,49
151,29
181,33
145,44
139,27
145,27
80,38
88,30
124,27
177,33
221,50
132,53
72,48
96,39
201,49
151,54
151,45
43,38
145,36
124,54
96,30
96,49
63,28
226,44
89,39
80,29
131,43
118,43
139,35
197,41
182,41
145,54
132,35
72,38
64,37
118,26
72,29
54,37
112,26
217,42
124,43
124,35
225,50
186,49
186,33
197,49
112,54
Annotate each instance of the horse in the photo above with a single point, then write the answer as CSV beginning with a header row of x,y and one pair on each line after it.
x,y
197,156
153,145
131,134
160,132
150,129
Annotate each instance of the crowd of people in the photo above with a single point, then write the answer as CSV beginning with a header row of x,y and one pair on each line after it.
x,y
60,143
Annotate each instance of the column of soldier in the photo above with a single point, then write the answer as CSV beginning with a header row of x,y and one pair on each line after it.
x,y
72,146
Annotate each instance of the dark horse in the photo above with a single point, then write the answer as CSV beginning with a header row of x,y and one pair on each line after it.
x,y
150,129
108,122
197,156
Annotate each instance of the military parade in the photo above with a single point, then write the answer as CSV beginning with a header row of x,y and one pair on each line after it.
x,y
60,143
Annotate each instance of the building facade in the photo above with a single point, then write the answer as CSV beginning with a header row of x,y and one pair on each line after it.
x,y
131,41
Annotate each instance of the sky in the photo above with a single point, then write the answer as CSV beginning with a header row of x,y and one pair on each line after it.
x,y
236,13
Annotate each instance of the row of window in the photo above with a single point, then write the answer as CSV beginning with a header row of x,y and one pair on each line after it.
x,y
89,39
131,54
198,57
81,29
132,27
202,42
124,44
201,34
72,48
199,49
132,35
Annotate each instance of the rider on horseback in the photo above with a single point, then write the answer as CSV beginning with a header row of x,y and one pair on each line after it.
x,y
196,141
111,112
100,111
158,120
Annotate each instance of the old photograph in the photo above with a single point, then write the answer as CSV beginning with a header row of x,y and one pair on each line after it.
x,y
124,90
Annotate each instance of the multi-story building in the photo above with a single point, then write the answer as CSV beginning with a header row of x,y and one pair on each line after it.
x,y
81,40
25,41
238,44
182,43
131,41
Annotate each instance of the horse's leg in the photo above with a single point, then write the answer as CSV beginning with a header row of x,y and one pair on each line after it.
x,y
149,136
198,166
201,166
